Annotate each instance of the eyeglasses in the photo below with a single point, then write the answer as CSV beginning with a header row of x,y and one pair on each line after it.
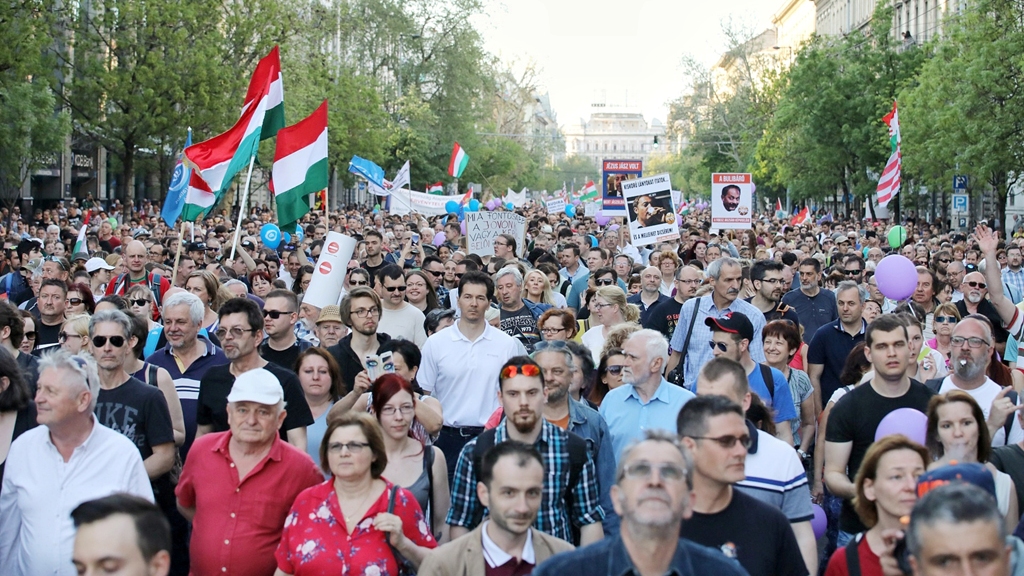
x,y
63,336
720,345
364,312
395,288
352,447
235,332
405,409
973,284
275,314
697,281
644,470
101,341
727,441
765,280
139,302
604,282
58,260
945,319
74,301
614,369
600,306
973,341
549,331
525,370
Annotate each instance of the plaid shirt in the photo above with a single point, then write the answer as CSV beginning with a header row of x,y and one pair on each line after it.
x,y
700,353
552,518
1015,280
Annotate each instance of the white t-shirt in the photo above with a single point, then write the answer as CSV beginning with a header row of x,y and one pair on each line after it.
x,y
984,395
405,323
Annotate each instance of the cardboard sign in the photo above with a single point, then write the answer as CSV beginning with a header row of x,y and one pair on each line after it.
x,y
732,201
556,205
650,210
483,227
329,271
614,173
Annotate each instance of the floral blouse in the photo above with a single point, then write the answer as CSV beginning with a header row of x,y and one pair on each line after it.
x,y
315,539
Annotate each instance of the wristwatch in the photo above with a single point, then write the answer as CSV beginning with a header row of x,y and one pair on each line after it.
x,y
803,455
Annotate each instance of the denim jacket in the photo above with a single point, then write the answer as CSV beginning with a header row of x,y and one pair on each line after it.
x,y
588,424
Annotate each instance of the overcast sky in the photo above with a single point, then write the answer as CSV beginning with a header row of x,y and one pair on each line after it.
x,y
614,51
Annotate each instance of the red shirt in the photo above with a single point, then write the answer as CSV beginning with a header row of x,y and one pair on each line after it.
x,y
315,540
238,524
870,564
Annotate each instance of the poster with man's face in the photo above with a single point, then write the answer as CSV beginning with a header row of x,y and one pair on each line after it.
x,y
614,174
650,210
732,201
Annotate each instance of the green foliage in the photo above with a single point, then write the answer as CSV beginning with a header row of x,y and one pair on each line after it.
x,y
689,173
33,132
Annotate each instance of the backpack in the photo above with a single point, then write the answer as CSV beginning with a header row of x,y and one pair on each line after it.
x,y
153,280
936,383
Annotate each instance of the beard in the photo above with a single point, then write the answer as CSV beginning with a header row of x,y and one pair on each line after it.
x,y
974,297
968,370
524,422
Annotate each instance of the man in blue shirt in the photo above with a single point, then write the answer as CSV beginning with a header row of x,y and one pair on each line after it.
x,y
645,401
814,306
652,493
831,344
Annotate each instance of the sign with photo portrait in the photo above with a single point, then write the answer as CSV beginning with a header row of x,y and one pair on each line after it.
x,y
732,199
614,173
650,210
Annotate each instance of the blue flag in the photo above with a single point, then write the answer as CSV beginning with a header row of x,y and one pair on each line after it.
x,y
368,170
175,200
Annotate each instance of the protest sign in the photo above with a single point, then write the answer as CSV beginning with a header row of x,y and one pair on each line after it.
x,y
615,172
591,208
329,271
402,202
650,210
555,205
732,201
483,227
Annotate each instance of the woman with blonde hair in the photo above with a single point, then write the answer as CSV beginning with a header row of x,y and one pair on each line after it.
x,y
608,308
74,333
205,285
537,289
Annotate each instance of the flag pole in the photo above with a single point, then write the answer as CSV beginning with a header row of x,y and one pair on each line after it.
x,y
241,207
177,255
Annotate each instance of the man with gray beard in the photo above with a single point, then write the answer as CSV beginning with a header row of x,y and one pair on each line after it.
x,y
970,353
975,289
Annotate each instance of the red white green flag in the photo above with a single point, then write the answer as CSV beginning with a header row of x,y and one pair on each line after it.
x,y
270,66
300,167
889,182
80,245
435,188
458,162
589,192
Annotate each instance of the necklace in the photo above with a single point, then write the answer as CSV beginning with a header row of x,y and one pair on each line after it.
x,y
357,507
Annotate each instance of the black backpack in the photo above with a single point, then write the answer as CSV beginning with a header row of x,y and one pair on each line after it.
x,y
936,383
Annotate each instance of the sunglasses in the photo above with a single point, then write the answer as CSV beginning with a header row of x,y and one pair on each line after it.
x,y
945,319
614,369
359,283
101,341
525,370
74,301
31,334
274,314
435,273
604,282
139,302
981,285
395,288
720,345
63,336
945,260
727,441
852,272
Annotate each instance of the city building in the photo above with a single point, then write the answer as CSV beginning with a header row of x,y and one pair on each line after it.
x,y
916,21
615,133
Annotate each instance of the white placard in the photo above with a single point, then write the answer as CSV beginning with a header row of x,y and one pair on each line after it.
x,y
556,205
405,201
732,201
591,208
329,270
483,227
650,210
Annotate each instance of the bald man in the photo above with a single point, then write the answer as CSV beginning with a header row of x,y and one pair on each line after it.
x,y
135,257
650,294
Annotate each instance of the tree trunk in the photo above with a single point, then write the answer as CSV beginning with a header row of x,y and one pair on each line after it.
x,y
1001,188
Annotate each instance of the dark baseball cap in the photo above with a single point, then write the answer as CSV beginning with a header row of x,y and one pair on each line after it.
x,y
968,473
733,323
196,247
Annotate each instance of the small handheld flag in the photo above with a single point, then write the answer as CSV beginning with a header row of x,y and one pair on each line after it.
x,y
458,162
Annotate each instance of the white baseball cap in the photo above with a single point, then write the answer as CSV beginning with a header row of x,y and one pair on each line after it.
x,y
95,263
259,386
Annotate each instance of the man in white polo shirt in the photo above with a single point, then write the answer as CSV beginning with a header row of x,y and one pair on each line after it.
x,y
460,367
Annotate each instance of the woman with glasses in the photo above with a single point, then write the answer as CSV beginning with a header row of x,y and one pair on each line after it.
x,y
885,492
343,525
944,319
320,378
302,279
609,376
74,333
419,292
79,301
419,467
668,264
261,283
557,324
28,342
609,309
781,340
957,432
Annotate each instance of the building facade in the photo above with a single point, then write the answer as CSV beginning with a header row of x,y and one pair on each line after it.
x,y
619,133
916,21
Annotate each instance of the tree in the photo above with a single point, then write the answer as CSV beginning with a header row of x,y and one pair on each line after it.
x,y
966,108
32,133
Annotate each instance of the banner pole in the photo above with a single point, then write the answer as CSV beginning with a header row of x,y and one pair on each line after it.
x,y
241,207
177,255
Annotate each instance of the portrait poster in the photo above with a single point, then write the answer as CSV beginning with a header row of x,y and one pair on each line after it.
x,y
614,173
650,210
732,201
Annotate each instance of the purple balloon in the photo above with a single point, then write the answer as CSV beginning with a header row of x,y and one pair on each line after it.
x,y
463,226
906,421
490,204
896,276
602,220
819,523
438,239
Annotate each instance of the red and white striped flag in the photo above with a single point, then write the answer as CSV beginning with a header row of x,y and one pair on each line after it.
x,y
889,182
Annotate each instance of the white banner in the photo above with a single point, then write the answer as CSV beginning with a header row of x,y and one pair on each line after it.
x,y
649,207
329,271
518,199
406,201
483,227
555,205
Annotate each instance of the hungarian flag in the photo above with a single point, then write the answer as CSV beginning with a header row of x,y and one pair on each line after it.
x,y
80,245
270,66
458,162
300,167
889,182
435,188
684,206
466,197
217,160
778,204
802,217
589,192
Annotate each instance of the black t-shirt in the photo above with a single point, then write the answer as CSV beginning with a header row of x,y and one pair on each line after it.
x,y
46,337
663,317
373,269
520,325
216,385
285,358
756,534
29,365
1010,460
855,418
137,411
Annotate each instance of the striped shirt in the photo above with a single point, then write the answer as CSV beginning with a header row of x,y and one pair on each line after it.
x,y
776,476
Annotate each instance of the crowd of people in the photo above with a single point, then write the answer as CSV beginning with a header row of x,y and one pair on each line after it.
x,y
728,402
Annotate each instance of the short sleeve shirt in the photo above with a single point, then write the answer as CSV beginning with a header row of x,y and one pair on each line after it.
x,y
216,385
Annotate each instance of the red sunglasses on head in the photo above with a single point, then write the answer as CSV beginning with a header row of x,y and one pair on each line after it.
x,y
525,370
